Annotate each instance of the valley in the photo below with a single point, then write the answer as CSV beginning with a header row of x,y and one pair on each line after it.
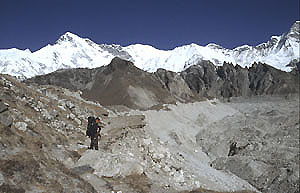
x,y
180,147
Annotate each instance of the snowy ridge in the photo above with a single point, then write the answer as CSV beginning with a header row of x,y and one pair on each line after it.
x,y
72,51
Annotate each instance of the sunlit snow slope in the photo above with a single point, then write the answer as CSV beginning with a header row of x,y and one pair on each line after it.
x,y
71,51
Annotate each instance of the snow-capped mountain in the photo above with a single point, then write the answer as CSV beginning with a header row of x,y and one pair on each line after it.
x,y
72,51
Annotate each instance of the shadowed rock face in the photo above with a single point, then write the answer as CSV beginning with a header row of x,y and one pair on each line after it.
x,y
232,81
265,79
201,78
175,84
235,80
121,83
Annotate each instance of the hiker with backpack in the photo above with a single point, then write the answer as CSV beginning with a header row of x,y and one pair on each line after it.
x,y
93,131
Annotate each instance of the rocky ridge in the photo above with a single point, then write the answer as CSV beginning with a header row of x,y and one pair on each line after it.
x,y
232,81
121,83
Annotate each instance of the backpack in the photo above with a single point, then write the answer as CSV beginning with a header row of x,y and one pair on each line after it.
x,y
91,122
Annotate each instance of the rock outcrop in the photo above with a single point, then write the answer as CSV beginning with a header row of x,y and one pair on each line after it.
x,y
232,81
175,84
5,117
201,78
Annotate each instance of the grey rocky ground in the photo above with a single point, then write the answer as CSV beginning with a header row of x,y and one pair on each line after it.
x,y
267,131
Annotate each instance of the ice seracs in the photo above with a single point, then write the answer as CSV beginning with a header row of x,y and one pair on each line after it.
x,y
72,51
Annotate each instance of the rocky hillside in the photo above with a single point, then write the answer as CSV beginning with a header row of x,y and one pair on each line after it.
x,y
37,135
121,83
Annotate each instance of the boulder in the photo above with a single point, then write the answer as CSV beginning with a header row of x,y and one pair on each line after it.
x,y
3,107
21,126
5,119
79,170
2,180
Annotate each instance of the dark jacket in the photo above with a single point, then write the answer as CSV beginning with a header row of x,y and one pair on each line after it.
x,y
94,129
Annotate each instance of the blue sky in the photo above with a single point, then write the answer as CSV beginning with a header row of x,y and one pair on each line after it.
x,y
164,24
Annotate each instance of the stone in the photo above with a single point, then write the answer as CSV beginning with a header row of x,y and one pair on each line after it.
x,y
79,170
3,107
147,141
71,116
5,119
70,105
179,177
22,126
78,121
2,180
46,114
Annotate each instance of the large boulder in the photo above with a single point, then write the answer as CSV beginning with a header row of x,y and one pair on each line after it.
x,y
5,118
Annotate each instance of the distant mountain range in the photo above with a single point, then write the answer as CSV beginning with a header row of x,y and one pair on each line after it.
x,y
72,51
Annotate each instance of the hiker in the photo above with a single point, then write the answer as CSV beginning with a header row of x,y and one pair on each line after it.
x,y
93,131
233,149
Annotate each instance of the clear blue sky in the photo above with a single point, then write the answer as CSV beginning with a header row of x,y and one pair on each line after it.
x,y
163,24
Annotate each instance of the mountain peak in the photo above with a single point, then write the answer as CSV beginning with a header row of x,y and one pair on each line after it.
x,y
295,30
214,46
297,23
68,36
120,64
